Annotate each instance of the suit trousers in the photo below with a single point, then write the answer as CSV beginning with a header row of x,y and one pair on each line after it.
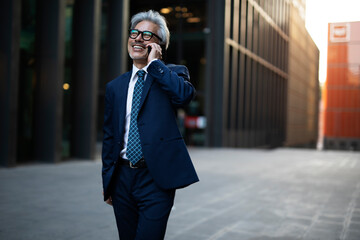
x,y
141,208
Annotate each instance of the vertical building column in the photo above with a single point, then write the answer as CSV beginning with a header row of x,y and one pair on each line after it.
x,y
50,71
10,26
117,35
86,43
215,73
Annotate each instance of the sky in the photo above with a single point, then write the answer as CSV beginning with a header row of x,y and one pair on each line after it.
x,y
321,12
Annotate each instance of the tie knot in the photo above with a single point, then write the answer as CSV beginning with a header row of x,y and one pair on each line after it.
x,y
141,74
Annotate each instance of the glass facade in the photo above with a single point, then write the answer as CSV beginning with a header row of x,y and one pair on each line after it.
x,y
68,81
187,21
27,81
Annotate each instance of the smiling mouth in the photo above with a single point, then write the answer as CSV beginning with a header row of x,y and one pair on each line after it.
x,y
138,47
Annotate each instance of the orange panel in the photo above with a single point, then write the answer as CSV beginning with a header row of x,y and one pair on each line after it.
x,y
349,125
357,99
330,76
341,92
328,124
337,53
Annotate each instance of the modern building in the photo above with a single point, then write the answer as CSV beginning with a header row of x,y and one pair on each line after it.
x,y
263,86
303,91
342,88
56,57
246,94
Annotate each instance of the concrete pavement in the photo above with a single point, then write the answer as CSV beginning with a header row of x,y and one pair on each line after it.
x,y
285,194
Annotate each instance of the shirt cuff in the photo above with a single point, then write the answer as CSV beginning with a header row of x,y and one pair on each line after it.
x,y
152,61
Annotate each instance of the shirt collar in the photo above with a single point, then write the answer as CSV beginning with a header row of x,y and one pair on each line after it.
x,y
135,70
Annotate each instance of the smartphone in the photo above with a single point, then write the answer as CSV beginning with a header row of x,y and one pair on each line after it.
x,y
163,52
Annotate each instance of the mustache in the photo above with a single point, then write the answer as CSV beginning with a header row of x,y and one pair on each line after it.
x,y
138,44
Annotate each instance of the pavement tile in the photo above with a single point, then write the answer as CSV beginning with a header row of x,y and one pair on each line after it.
x,y
355,218
352,235
321,234
355,227
331,219
228,235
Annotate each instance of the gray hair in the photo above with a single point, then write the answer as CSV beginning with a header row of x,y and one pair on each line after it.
x,y
155,17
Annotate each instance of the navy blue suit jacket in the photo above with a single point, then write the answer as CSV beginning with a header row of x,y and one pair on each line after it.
x,y
166,88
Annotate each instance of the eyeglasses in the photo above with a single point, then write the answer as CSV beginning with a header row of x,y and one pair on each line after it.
x,y
146,35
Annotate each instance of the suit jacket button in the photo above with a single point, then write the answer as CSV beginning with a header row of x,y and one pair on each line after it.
x,y
160,70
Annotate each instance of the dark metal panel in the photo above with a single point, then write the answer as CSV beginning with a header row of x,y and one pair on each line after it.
x,y
266,41
261,37
10,24
248,76
117,35
215,79
227,75
238,117
256,30
50,76
267,123
260,104
254,110
247,103
234,75
259,107
252,92
284,108
278,108
243,23
272,109
264,108
240,138
86,42
241,94
228,92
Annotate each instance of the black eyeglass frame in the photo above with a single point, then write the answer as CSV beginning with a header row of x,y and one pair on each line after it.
x,y
142,35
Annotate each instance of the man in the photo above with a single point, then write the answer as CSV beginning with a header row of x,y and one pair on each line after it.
x,y
144,156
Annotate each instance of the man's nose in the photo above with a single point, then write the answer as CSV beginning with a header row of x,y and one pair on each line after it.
x,y
139,38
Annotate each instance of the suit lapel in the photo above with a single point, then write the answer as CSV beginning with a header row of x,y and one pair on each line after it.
x,y
121,100
148,82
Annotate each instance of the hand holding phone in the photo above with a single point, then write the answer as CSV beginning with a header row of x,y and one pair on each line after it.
x,y
155,51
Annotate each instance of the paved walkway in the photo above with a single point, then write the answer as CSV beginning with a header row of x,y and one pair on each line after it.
x,y
285,194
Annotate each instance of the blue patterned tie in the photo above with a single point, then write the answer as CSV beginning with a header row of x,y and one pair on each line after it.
x,y
134,151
